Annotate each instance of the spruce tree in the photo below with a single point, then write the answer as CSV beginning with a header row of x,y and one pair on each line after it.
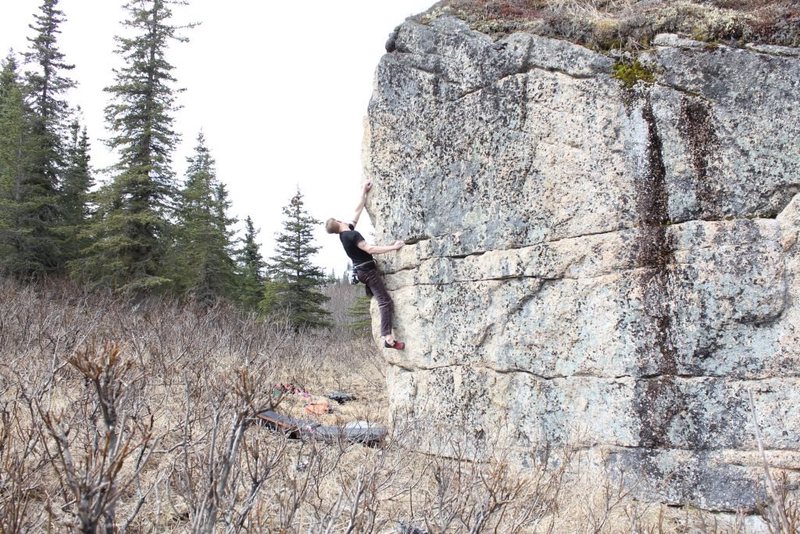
x,y
131,232
16,139
33,244
46,88
205,269
10,123
250,269
75,191
295,282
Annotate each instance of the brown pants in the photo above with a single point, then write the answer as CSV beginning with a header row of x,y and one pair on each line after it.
x,y
374,282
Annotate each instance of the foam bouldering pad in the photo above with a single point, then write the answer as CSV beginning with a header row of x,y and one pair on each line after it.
x,y
364,432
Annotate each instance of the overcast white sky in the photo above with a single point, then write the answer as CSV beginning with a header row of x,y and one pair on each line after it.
x,y
280,90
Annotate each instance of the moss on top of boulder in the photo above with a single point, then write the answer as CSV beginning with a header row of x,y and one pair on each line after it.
x,y
630,24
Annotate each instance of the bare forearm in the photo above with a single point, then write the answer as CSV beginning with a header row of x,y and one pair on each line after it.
x,y
380,249
360,208
365,187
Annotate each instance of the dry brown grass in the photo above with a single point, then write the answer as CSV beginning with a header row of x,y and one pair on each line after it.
x,y
120,416
607,24
128,417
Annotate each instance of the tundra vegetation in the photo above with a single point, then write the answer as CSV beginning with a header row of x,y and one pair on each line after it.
x,y
631,24
120,416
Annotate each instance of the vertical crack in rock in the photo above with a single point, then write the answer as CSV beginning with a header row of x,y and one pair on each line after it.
x,y
658,400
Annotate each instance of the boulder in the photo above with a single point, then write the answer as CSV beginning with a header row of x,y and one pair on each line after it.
x,y
595,264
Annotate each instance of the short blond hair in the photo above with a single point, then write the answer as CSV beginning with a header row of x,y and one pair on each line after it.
x,y
332,226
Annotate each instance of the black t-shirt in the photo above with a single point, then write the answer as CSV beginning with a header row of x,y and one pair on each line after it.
x,y
350,240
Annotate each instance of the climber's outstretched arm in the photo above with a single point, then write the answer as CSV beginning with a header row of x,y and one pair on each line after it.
x,y
362,202
379,249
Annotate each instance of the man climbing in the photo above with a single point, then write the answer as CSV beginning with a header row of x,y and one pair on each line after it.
x,y
360,253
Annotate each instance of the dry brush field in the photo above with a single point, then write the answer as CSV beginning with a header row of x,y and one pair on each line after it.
x,y
123,416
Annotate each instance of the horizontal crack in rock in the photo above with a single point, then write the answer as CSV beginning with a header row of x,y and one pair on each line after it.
x,y
532,68
511,370
622,229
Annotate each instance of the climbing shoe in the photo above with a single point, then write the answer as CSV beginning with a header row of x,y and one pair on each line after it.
x,y
399,345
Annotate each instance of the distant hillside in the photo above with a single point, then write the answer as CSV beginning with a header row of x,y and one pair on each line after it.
x,y
631,24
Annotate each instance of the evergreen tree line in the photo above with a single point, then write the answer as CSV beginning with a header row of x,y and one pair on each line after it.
x,y
144,230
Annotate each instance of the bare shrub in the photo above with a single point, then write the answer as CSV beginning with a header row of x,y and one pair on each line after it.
x,y
139,417
99,441
21,469
342,298
220,470
458,481
781,510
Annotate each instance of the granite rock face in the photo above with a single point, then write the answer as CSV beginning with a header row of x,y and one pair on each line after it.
x,y
593,265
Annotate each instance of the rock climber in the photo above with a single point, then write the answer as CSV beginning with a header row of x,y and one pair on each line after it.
x,y
360,253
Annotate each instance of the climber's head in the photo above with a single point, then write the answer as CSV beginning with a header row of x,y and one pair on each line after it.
x,y
335,226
